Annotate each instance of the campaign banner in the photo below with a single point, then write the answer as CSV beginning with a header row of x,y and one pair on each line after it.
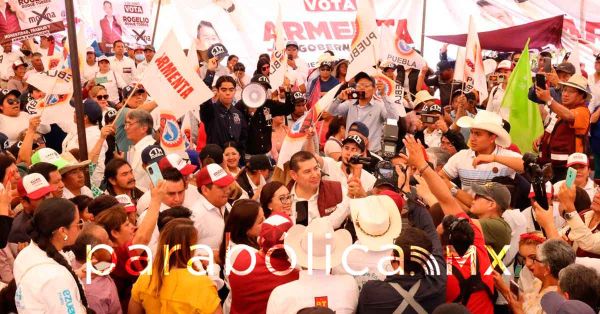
x,y
172,82
278,64
469,66
127,20
23,19
365,43
172,140
395,45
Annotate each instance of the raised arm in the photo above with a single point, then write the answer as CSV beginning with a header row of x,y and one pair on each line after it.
x,y
144,232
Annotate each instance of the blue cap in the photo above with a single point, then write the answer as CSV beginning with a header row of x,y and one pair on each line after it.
x,y
360,128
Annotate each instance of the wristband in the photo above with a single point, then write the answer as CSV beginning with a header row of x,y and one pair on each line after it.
x,y
423,168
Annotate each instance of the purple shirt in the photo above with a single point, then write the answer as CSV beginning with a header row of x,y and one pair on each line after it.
x,y
101,294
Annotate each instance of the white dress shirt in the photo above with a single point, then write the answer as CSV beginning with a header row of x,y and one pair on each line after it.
x,y
338,292
338,213
334,172
134,157
89,71
210,222
124,67
83,191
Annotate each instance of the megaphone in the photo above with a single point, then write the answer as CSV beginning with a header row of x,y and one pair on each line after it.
x,y
254,95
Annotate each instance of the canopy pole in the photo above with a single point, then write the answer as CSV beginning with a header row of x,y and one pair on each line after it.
x,y
77,97
423,27
156,22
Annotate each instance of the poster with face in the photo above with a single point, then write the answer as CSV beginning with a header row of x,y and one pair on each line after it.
x,y
126,20
26,19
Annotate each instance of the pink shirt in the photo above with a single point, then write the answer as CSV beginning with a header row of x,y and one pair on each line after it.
x,y
101,294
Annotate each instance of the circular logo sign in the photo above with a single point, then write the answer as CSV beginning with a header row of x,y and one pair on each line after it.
x,y
171,135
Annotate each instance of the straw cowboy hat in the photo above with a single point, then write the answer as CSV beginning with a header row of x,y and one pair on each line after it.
x,y
72,163
297,240
422,96
489,121
579,82
376,221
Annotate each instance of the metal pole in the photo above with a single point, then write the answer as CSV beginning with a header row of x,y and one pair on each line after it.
x,y
423,28
156,22
74,57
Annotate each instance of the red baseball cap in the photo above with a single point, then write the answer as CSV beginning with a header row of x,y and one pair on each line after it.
x,y
214,174
397,198
273,230
34,186
125,200
175,161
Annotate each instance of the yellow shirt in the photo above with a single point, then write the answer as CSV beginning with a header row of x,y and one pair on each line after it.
x,y
181,292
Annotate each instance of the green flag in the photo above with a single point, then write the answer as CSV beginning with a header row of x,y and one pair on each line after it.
x,y
524,117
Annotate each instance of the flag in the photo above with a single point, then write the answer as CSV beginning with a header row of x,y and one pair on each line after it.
x,y
192,58
315,93
524,116
394,92
296,137
365,44
171,81
395,47
575,59
278,62
469,69
171,139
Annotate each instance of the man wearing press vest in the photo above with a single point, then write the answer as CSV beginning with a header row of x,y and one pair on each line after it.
x,y
566,124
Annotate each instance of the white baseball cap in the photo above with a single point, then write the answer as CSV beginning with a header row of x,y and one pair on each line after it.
x,y
577,159
175,161
34,186
125,200
213,173
504,64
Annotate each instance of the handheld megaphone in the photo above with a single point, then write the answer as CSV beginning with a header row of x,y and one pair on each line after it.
x,y
254,95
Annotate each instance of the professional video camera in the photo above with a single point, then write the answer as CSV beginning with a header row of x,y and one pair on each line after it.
x,y
538,177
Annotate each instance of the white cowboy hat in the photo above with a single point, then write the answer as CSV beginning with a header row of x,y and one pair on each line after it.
x,y
322,235
422,96
489,121
376,220
580,82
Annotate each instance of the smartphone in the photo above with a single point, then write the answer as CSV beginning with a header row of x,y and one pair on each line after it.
x,y
547,64
571,174
154,173
540,80
514,288
302,213
355,94
501,78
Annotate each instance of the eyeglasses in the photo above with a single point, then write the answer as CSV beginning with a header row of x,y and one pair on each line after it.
x,y
285,198
129,124
102,97
13,101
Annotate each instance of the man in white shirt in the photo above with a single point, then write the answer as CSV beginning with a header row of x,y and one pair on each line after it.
x,y
8,59
138,128
120,63
36,63
316,286
73,177
90,67
313,197
211,208
486,158
494,101
296,64
108,78
140,67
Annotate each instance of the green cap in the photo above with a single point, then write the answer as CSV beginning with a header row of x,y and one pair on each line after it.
x,y
50,156
495,191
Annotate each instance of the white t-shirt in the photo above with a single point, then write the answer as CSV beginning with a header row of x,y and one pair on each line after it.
x,y
84,191
112,81
89,72
332,146
43,285
12,126
461,165
494,103
433,138
6,62
124,67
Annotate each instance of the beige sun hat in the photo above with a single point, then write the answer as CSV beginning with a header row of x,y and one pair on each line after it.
x,y
376,221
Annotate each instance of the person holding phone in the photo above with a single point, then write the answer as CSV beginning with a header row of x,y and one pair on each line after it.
x,y
553,78
494,101
566,124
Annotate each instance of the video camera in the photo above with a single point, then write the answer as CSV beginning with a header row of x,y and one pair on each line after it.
x,y
538,177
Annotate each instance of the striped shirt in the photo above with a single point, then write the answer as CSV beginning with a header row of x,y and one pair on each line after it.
x,y
461,165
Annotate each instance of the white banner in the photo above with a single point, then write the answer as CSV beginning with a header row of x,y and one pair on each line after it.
x,y
278,64
172,82
127,20
395,47
365,43
25,19
469,67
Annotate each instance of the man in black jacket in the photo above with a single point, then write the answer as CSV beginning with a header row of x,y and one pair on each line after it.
x,y
223,122
259,119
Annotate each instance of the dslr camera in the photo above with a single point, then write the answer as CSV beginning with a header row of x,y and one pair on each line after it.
x,y
389,140
360,160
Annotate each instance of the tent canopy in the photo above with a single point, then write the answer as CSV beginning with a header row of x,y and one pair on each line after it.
x,y
542,33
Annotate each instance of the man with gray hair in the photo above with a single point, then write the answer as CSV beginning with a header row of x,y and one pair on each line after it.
x,y
138,127
577,282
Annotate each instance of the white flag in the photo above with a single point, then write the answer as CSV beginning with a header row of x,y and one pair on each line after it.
x,y
574,57
171,81
278,58
396,49
365,44
192,57
469,69
56,82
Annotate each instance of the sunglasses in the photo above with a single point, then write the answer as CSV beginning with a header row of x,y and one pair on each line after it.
x,y
140,91
102,97
325,69
13,101
266,67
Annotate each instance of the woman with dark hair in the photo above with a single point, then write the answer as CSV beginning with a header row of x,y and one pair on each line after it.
x,y
263,67
243,226
45,281
335,134
231,158
9,173
275,198
340,69
172,288
12,119
82,202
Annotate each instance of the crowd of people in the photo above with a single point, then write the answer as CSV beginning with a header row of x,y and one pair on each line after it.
x,y
453,221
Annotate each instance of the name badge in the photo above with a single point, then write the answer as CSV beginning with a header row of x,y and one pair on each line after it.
x,y
321,301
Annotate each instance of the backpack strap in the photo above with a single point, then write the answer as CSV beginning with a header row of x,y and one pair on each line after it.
x,y
468,286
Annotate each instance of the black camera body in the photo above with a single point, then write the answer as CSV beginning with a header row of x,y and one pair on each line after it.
x,y
538,176
389,139
360,160
356,94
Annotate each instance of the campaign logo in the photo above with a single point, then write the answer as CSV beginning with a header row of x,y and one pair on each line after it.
x,y
172,137
156,152
402,47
